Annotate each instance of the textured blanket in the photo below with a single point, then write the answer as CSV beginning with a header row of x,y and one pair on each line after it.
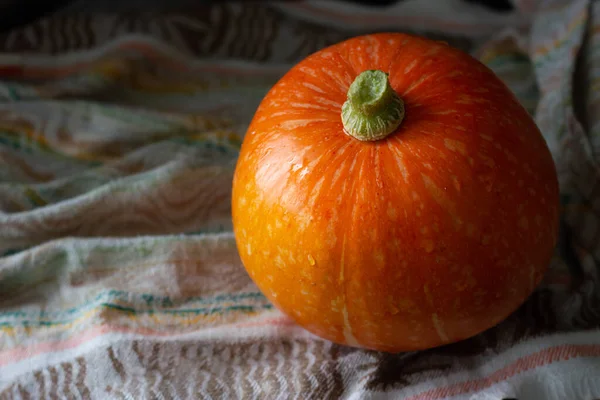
x,y
119,276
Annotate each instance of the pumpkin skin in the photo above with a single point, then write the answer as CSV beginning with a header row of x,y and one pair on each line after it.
x,y
426,237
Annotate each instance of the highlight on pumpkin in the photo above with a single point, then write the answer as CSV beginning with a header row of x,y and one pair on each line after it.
x,y
373,109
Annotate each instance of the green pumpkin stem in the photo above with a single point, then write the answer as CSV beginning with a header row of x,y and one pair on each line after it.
x,y
373,109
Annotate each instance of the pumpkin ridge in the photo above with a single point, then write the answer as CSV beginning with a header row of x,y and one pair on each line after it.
x,y
347,326
355,229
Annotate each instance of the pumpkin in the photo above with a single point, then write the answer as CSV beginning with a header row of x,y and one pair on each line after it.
x,y
392,194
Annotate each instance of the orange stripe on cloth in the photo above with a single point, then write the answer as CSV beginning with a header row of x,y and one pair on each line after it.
x,y
279,321
526,363
26,352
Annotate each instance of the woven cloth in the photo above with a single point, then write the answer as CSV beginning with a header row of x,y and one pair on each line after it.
x,y
119,275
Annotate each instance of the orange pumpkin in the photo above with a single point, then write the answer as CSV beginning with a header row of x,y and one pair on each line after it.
x,y
392,194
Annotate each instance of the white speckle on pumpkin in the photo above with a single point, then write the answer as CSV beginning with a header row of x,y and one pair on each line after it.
x,y
336,176
279,114
487,182
410,66
487,161
510,156
308,71
303,220
311,105
547,189
379,258
428,245
312,87
278,261
464,99
454,73
373,235
249,248
392,213
316,191
292,124
538,220
400,162
456,183
327,102
442,199
363,193
347,329
437,324
348,335
445,112
311,260
394,244
455,145
523,223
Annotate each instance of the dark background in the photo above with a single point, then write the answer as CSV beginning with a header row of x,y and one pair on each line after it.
x,y
15,13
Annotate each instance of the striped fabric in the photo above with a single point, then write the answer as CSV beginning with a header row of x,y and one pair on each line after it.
x,y
119,276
